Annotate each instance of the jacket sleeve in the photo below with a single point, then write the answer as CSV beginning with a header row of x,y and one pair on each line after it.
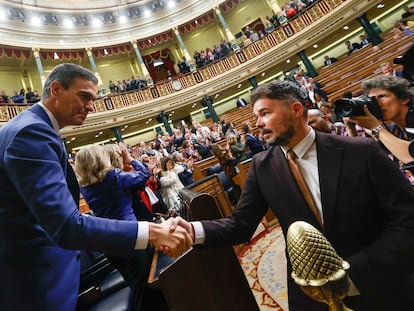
x,y
137,177
389,257
36,164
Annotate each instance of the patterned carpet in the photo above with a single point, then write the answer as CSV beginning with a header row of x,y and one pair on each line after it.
x,y
264,263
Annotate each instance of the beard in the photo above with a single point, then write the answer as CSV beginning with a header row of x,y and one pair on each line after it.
x,y
284,138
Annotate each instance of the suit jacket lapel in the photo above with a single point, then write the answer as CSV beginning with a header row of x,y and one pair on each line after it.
x,y
329,166
67,169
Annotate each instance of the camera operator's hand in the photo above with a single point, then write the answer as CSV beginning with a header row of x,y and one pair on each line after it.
x,y
369,121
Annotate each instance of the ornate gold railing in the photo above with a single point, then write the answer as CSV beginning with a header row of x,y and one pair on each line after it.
x,y
202,75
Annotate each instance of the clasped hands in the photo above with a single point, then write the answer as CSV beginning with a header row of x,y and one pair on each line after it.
x,y
173,237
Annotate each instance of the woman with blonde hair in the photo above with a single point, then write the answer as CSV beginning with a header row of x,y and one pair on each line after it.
x,y
107,190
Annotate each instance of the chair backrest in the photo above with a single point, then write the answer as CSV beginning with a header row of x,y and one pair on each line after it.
x,y
201,167
212,185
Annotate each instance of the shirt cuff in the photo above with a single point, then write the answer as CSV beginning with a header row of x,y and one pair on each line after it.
x,y
199,233
142,235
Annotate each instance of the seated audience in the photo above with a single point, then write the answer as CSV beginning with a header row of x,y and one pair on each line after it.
x,y
352,46
107,192
329,60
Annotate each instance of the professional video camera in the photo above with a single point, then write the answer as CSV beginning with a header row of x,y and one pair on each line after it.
x,y
407,60
350,107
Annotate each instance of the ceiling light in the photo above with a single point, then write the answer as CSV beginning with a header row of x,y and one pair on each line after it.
x,y
288,61
55,55
380,6
67,23
239,86
346,27
96,22
315,46
263,74
123,19
171,4
73,138
36,21
147,13
106,52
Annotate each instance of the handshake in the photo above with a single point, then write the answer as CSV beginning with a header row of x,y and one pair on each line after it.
x,y
172,237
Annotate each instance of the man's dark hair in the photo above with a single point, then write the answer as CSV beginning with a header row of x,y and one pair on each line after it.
x,y
281,90
65,74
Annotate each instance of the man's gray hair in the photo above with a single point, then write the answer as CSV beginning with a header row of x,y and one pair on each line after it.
x,y
65,74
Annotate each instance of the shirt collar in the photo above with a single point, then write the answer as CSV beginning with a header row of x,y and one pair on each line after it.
x,y
303,146
52,118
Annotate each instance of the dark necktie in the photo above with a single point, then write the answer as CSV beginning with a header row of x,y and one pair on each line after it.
x,y
302,185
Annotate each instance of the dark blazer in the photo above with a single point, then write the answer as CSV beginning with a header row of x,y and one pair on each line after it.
x,y
332,60
241,102
368,212
40,225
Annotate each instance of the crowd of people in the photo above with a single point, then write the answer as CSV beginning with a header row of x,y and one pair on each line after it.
x,y
140,184
360,186
21,97
126,85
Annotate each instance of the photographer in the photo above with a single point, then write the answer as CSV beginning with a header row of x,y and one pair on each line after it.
x,y
395,100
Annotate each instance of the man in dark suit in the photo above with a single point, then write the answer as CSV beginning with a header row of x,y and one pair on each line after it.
x,y
329,60
352,46
365,203
40,225
240,102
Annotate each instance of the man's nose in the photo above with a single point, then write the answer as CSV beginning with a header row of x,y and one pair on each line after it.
x,y
89,106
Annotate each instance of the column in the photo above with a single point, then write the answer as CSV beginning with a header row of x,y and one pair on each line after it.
x,y
117,133
36,55
310,69
144,70
369,29
93,65
229,34
184,49
164,119
253,82
207,102
275,6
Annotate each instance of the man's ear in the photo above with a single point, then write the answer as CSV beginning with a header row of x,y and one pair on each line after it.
x,y
298,108
55,88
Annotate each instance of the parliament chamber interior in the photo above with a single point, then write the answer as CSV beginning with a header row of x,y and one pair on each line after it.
x,y
164,65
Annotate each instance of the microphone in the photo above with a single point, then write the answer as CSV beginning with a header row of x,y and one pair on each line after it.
x,y
317,268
